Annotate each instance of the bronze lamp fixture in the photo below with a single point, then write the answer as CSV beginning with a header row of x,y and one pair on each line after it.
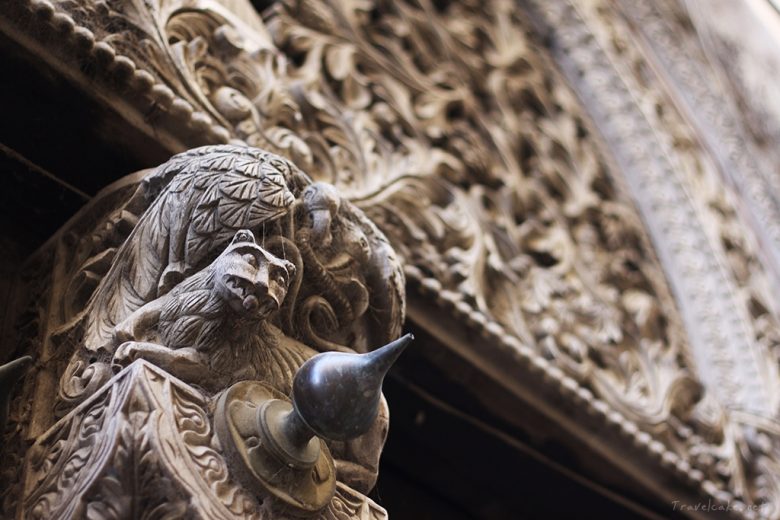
x,y
335,396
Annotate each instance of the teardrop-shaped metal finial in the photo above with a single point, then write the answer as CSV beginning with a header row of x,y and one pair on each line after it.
x,y
9,374
337,394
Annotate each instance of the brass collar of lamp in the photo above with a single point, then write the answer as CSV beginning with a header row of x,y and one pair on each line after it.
x,y
276,445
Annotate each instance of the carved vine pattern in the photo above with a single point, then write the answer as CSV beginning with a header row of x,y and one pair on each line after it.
x,y
450,129
119,454
733,446
172,224
460,142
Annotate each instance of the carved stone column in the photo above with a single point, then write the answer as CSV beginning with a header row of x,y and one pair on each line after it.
x,y
225,265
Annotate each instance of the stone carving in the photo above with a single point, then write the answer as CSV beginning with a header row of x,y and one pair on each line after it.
x,y
732,338
235,263
451,128
211,328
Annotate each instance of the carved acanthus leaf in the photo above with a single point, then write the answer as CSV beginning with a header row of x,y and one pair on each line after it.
x,y
119,453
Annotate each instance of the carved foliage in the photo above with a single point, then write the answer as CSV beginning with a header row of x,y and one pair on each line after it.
x,y
140,442
120,454
448,126
344,286
731,448
457,138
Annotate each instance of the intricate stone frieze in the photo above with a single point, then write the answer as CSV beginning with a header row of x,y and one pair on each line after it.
x,y
601,62
451,128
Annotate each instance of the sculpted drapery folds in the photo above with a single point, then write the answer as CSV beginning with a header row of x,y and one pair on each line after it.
x,y
237,267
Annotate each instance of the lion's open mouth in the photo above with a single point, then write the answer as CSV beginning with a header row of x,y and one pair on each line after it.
x,y
245,292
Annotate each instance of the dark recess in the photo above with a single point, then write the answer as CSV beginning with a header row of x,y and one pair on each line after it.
x,y
58,147
448,463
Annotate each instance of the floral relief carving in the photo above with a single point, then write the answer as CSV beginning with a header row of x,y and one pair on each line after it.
x,y
722,440
445,126
120,454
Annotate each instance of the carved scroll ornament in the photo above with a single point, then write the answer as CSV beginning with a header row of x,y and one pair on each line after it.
x,y
237,268
450,126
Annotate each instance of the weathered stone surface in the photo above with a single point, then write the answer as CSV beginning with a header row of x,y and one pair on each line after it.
x,y
526,203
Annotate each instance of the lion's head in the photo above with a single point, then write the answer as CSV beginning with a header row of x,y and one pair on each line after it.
x,y
250,279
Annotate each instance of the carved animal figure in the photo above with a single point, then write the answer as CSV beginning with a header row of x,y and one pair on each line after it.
x,y
211,329
201,198
189,209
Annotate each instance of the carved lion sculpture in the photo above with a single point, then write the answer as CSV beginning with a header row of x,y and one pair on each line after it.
x,y
178,293
348,293
210,330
